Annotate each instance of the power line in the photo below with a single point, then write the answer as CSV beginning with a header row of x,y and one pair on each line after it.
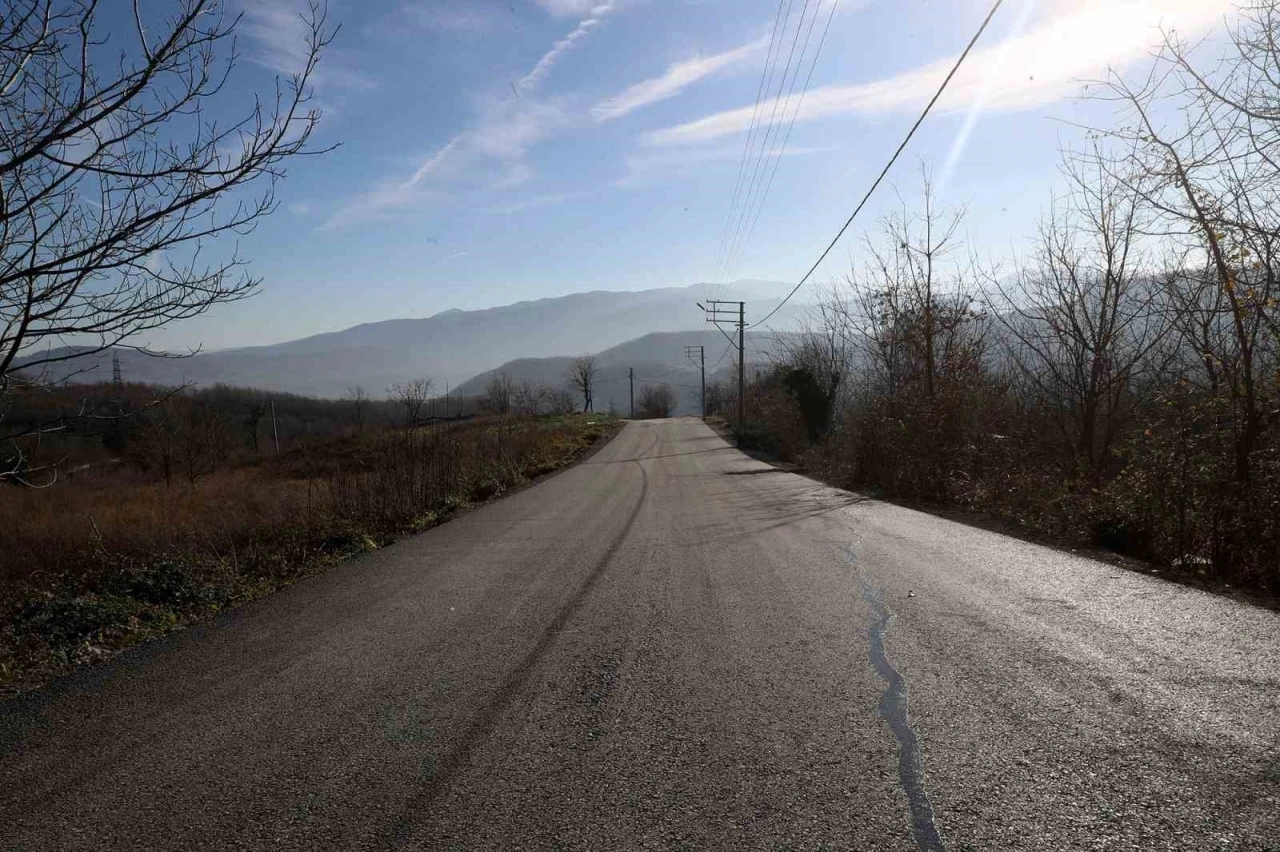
x,y
736,245
668,384
907,139
723,354
726,334
791,126
746,144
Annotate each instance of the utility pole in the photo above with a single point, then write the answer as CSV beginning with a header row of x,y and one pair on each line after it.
x,y
701,352
742,366
631,382
726,314
275,431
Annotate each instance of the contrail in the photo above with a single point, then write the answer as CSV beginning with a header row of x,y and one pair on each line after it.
x,y
979,105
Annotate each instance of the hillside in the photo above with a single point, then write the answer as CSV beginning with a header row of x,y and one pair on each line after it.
x,y
449,347
656,358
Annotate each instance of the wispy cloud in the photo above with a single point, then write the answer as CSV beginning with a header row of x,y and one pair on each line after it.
x,y
505,129
448,15
278,33
391,197
533,202
674,81
1051,60
411,19
663,165
431,164
568,8
543,67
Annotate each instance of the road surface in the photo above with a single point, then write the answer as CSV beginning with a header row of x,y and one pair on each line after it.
x,y
672,646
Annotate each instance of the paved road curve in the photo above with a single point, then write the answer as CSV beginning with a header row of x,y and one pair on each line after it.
x,y
672,646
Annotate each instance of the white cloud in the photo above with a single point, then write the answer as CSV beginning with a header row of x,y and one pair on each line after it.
x,y
505,130
674,81
569,8
533,202
543,67
449,15
378,204
375,204
495,148
644,169
279,33
432,164
1051,60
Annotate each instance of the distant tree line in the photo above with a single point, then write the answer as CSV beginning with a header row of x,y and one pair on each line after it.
x,y
186,433
526,398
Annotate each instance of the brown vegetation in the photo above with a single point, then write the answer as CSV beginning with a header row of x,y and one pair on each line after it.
x,y
656,400
1120,388
112,169
122,551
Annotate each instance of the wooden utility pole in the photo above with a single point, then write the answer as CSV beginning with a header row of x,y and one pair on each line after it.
x,y
275,431
631,382
701,352
718,315
742,365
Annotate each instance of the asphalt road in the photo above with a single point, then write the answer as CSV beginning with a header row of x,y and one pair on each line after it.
x,y
672,646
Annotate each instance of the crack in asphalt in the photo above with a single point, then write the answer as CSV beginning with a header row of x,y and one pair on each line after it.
x,y
893,709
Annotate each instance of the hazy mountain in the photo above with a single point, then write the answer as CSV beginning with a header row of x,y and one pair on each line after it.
x,y
451,346
656,358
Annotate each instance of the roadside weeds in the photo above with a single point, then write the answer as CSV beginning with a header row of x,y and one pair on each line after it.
x,y
180,557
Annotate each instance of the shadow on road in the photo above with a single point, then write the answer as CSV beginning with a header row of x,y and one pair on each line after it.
x,y
664,456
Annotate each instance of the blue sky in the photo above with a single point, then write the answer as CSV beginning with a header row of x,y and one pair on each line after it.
x,y
500,150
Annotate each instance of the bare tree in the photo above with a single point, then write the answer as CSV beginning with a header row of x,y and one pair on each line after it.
x,y
721,397
581,378
204,437
359,404
1212,177
912,311
819,360
558,401
411,397
116,173
253,418
529,399
159,438
500,392
1086,317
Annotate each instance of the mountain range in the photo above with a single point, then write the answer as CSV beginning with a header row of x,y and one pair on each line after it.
x,y
455,346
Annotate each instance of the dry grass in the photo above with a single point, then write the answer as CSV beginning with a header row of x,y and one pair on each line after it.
x,y
94,566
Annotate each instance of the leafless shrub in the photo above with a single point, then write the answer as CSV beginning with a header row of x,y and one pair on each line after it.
x,y
411,397
359,403
559,401
500,393
657,400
